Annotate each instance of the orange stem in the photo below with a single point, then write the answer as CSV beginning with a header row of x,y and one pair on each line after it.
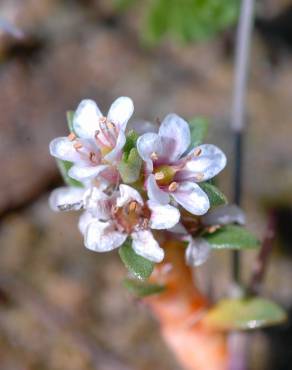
x,y
179,310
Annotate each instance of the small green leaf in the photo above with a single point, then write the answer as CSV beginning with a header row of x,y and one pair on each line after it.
x,y
142,288
64,167
199,130
216,197
232,237
70,116
131,140
130,167
244,313
137,265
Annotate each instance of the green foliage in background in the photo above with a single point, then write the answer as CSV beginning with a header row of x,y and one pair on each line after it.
x,y
185,20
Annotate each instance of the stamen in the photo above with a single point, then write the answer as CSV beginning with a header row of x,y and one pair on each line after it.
x,y
115,209
173,186
92,156
199,176
159,176
111,125
213,228
154,156
102,119
72,136
133,206
145,223
197,152
77,145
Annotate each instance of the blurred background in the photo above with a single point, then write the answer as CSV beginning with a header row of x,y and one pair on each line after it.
x,y
62,306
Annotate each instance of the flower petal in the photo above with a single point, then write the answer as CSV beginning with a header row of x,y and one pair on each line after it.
x,y
146,246
116,153
121,111
175,133
85,219
162,216
102,237
148,144
86,119
66,199
205,166
191,197
98,203
82,173
154,192
197,252
62,148
224,215
127,194
142,127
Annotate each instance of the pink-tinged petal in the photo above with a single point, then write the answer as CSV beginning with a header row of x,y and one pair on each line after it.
x,y
66,199
162,216
175,133
146,246
116,153
86,119
197,252
154,192
121,111
85,219
102,237
98,203
206,165
128,194
179,229
224,215
149,145
82,173
191,197
62,148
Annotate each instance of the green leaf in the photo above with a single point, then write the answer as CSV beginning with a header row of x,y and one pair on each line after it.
x,y
199,130
142,288
137,265
244,313
216,197
70,116
64,167
232,237
131,141
122,5
130,167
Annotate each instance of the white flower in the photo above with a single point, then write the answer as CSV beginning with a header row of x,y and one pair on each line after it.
x,y
97,142
198,249
128,215
171,172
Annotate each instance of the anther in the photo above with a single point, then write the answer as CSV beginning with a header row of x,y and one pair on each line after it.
x,y
111,125
199,176
77,146
197,152
154,156
213,228
173,186
92,156
133,206
72,136
159,176
102,119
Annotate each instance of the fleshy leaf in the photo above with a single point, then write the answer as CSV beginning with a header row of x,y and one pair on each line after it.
x,y
130,166
142,288
232,237
70,116
216,197
64,167
137,265
199,130
244,313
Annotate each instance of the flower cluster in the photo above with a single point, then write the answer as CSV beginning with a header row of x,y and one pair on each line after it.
x,y
133,187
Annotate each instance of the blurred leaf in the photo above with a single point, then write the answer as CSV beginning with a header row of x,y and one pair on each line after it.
x,y
142,288
244,313
232,237
199,130
70,117
137,265
216,197
189,20
124,4
64,167
131,163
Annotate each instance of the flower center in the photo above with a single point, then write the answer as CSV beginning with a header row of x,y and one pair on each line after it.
x,y
131,217
106,136
164,175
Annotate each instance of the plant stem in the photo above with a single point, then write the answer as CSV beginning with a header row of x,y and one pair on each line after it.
x,y
238,113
